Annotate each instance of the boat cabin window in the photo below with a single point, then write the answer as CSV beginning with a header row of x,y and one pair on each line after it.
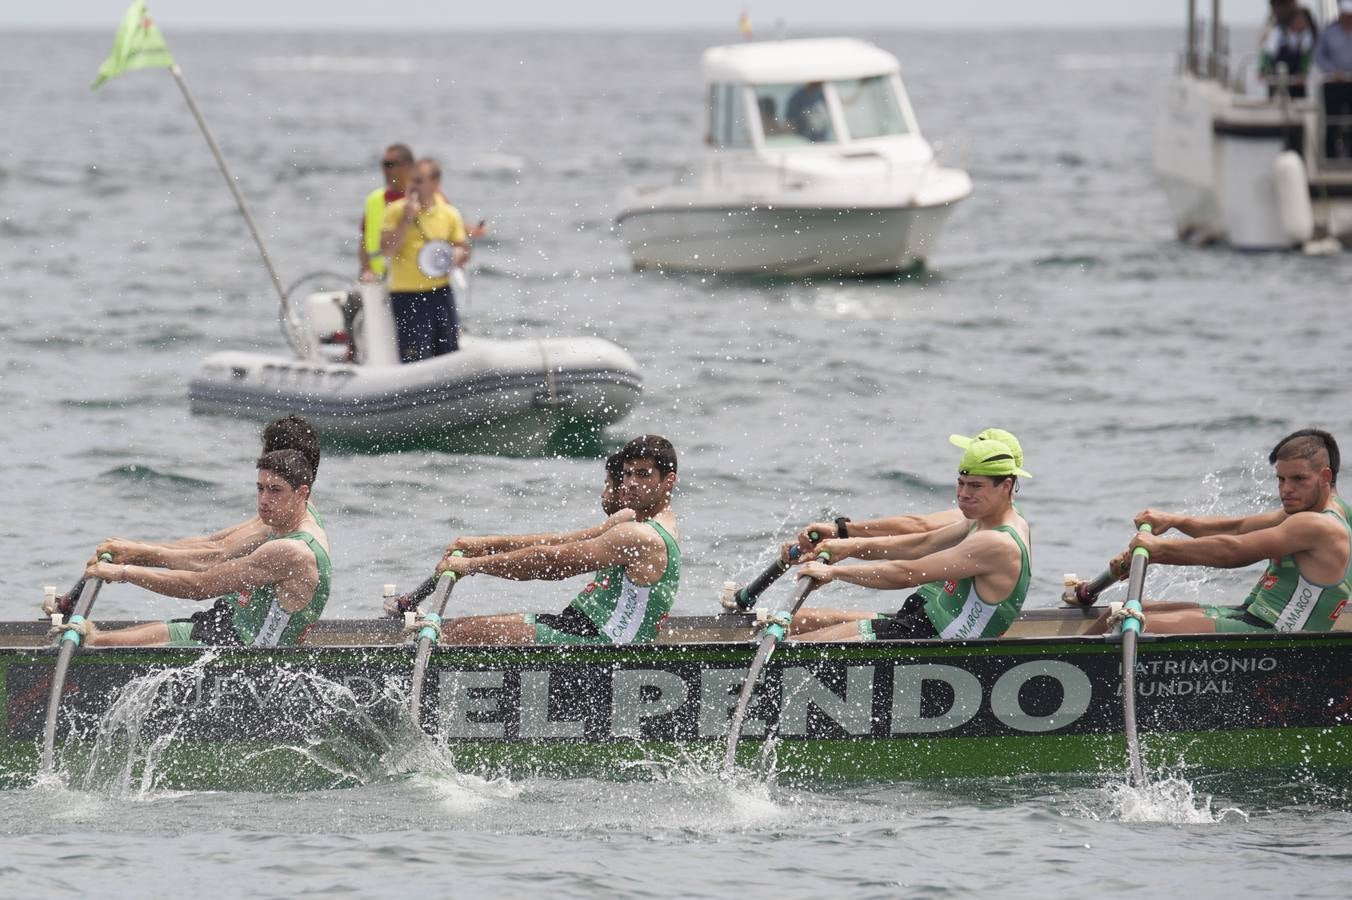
x,y
794,114
871,107
727,117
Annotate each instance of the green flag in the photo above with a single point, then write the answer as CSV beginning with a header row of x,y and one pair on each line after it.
x,y
138,45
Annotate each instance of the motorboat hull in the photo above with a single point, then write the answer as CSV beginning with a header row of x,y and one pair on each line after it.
x,y
782,240
503,396
1045,698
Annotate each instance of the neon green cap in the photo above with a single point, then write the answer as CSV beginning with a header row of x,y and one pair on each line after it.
x,y
985,457
991,434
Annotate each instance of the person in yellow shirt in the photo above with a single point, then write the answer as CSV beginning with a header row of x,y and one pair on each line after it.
x,y
396,164
421,235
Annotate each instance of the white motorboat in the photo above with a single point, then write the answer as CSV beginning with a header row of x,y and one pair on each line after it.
x,y
1245,160
814,165
503,396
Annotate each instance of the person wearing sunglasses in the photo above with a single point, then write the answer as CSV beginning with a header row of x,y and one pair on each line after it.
x,y
396,164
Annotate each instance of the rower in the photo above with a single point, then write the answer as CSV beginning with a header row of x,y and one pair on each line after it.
x,y
287,433
637,566
272,595
971,576
892,526
1202,526
1308,548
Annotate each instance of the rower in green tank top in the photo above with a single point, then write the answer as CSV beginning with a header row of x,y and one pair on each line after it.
x,y
1307,545
272,595
971,576
200,552
636,565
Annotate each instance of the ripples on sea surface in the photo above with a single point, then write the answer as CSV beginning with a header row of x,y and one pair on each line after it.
x,y
1136,371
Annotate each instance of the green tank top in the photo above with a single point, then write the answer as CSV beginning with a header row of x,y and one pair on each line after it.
x,y
1287,601
956,610
625,612
314,513
1343,505
259,619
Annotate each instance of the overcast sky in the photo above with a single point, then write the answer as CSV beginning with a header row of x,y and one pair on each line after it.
x,y
711,14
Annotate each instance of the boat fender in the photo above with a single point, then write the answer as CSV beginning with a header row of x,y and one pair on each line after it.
x,y
1294,210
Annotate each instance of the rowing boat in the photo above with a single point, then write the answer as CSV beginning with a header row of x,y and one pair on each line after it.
x,y
1045,698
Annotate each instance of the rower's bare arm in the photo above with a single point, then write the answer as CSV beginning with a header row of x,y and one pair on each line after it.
x,y
193,554
906,546
506,543
900,525
981,554
628,545
1208,526
287,564
891,526
1299,533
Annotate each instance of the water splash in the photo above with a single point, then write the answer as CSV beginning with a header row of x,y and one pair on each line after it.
x,y
175,726
1170,800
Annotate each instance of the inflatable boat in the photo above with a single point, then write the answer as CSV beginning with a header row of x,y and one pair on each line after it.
x,y
505,396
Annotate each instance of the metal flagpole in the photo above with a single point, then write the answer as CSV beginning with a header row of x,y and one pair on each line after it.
x,y
292,331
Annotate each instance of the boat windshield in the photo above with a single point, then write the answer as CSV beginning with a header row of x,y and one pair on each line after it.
x,y
794,114
871,107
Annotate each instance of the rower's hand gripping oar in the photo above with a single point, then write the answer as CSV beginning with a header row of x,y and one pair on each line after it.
x,y
775,631
1131,625
70,640
429,634
743,598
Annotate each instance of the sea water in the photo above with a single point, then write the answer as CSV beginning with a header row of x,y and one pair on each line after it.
x,y
1137,372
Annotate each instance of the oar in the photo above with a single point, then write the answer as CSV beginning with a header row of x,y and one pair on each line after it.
x,y
413,598
1084,593
70,640
74,592
427,636
773,634
747,595
1130,626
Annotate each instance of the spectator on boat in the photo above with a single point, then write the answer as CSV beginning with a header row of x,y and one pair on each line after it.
x,y
1309,552
425,318
200,552
771,125
1289,41
637,566
1333,56
271,596
396,163
971,575
807,113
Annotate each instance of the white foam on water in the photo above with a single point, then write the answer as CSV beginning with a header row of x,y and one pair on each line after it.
x,y
1171,800
460,793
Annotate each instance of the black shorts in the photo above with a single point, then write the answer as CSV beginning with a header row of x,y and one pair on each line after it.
x,y
571,621
215,627
908,622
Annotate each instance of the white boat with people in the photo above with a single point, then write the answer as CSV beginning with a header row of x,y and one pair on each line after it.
x,y
344,374
814,165
1254,149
